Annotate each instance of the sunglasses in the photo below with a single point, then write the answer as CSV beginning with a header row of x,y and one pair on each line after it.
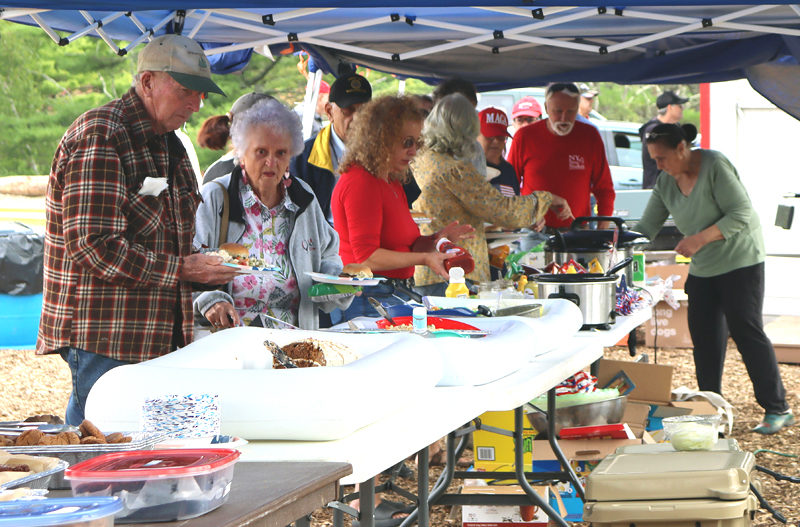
x,y
562,86
409,141
652,136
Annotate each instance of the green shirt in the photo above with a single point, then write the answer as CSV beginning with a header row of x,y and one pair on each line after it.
x,y
718,197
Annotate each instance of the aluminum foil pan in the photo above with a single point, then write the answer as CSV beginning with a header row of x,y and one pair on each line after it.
x,y
38,480
73,454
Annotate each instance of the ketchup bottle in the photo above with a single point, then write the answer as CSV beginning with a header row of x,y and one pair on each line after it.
x,y
458,256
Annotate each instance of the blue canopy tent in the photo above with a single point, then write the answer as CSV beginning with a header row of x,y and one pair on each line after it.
x,y
494,43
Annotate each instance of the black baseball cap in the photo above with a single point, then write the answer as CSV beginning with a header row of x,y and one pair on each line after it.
x,y
669,97
350,89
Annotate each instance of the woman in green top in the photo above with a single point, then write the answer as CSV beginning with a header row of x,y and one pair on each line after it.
x,y
722,235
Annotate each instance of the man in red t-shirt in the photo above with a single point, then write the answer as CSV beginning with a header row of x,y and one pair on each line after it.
x,y
563,156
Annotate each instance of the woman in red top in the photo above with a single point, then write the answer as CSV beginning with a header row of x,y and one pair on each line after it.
x,y
370,211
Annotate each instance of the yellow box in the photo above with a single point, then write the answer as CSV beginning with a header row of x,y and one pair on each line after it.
x,y
495,452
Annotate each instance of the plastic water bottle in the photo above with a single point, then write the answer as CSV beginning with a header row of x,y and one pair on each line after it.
x,y
419,319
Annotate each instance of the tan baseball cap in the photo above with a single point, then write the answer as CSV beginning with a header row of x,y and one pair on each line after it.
x,y
182,58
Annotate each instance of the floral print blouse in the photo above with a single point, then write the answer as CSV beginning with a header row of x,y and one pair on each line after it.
x,y
266,235
454,190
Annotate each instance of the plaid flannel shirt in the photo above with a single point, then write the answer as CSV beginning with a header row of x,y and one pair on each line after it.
x,y
112,254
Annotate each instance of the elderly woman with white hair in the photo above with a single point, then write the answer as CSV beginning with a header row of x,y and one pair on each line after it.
x,y
453,190
277,218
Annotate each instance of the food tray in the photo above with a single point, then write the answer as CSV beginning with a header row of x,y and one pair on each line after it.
x,y
38,480
74,454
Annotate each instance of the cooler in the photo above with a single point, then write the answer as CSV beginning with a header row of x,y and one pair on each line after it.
x,y
656,486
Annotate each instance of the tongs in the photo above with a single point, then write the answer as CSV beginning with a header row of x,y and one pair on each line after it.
x,y
17,427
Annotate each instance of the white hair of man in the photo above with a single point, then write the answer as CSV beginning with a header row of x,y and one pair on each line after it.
x,y
558,118
452,127
272,114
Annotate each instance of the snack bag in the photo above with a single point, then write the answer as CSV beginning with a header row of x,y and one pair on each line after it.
x,y
322,292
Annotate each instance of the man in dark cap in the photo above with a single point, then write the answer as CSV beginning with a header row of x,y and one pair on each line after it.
x,y
670,110
318,163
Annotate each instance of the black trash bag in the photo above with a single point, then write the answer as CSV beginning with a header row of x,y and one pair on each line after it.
x,y
21,260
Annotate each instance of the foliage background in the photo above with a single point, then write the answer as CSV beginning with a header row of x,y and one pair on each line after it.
x,y
44,87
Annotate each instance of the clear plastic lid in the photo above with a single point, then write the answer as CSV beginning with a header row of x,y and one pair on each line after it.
x,y
61,511
146,464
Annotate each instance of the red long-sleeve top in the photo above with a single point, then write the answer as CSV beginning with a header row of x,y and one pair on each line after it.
x,y
572,166
368,214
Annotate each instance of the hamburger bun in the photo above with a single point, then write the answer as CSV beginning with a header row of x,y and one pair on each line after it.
x,y
355,270
235,250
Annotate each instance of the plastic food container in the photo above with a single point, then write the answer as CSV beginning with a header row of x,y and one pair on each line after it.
x,y
62,512
74,454
158,485
692,432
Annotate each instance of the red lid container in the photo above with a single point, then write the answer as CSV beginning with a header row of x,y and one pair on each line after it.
x,y
158,485
150,464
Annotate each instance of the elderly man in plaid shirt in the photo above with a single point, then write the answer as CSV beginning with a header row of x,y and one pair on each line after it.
x,y
121,201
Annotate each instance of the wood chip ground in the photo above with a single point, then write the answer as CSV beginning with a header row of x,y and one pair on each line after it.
x,y
37,385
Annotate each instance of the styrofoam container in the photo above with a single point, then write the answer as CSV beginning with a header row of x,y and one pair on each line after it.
x,y
158,485
61,512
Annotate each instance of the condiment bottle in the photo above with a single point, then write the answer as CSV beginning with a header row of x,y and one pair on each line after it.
x,y
457,256
457,287
419,319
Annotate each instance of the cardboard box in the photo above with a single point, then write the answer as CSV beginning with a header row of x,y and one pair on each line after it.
x,y
501,515
667,270
784,332
668,328
653,381
495,452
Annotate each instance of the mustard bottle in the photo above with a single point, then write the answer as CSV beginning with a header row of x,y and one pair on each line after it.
x,y
457,288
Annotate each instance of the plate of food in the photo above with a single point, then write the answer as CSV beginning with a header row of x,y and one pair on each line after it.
x,y
352,274
238,256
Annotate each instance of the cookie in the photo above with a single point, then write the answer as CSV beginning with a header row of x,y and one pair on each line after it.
x,y
88,429
29,438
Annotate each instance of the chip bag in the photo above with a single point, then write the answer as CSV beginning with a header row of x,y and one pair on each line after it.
x,y
321,292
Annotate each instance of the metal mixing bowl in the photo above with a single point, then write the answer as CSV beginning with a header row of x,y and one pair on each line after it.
x,y
588,414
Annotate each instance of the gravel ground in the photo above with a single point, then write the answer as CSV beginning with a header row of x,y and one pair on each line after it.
x,y
34,384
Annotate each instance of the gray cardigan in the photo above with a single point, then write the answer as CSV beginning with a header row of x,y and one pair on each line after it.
x,y
313,244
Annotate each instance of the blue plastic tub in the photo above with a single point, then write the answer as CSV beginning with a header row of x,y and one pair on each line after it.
x,y
75,512
19,320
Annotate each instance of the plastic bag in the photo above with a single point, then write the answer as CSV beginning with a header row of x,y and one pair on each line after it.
x,y
21,260
322,292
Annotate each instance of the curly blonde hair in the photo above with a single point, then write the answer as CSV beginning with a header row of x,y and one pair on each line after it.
x,y
376,129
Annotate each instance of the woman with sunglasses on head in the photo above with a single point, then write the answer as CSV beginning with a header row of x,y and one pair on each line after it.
x,y
725,286
370,211
454,190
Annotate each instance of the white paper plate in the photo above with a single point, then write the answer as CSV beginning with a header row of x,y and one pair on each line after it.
x,y
246,269
330,279
222,441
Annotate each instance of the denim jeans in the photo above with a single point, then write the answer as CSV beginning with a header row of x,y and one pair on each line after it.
x,y
361,307
86,368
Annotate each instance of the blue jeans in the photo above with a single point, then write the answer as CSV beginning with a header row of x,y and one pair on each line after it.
x,y
360,307
86,368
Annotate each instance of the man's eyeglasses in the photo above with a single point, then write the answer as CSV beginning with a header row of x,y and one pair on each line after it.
x,y
409,141
562,86
527,119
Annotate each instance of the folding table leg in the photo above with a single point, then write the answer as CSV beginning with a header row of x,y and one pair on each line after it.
x,y
551,437
366,501
519,469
